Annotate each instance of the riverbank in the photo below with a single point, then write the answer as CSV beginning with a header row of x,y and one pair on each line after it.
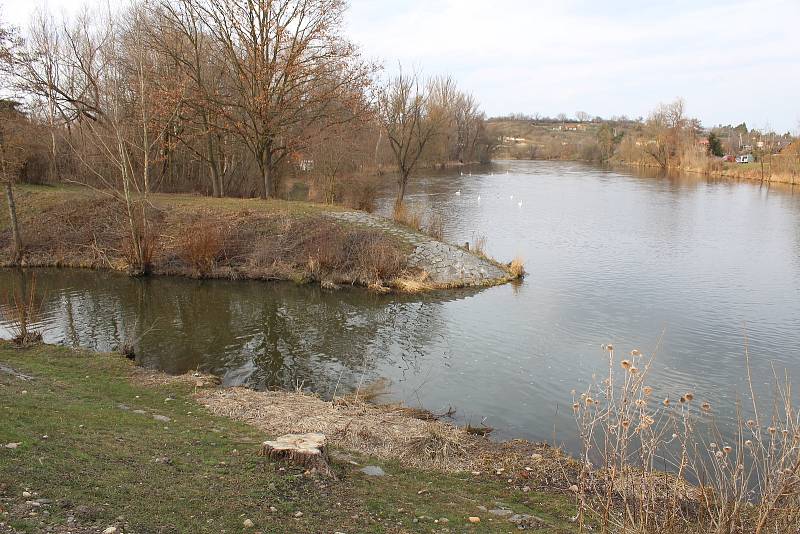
x,y
79,429
230,238
732,171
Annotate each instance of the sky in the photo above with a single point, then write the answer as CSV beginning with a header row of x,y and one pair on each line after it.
x,y
731,60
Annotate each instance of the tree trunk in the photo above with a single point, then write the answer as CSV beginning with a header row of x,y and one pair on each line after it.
x,y
264,181
216,180
12,212
266,174
306,450
401,190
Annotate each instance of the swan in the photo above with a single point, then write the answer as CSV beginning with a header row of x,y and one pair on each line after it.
x,y
519,204
458,193
479,198
511,197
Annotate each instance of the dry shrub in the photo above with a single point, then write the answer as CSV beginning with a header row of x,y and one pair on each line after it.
x,y
435,227
320,248
139,249
407,217
21,311
747,482
517,267
202,246
364,197
373,256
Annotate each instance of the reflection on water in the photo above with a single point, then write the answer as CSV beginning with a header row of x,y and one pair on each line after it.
x,y
612,257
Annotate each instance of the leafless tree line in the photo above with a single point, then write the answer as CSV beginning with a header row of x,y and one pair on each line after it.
x,y
222,97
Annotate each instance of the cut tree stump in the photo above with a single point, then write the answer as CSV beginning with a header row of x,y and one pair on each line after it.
x,y
306,450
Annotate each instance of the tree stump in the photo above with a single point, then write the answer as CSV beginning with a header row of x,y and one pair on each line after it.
x,y
306,450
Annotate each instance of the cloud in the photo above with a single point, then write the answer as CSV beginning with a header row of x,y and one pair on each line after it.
x,y
732,61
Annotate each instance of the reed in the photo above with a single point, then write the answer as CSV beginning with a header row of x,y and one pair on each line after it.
x,y
748,483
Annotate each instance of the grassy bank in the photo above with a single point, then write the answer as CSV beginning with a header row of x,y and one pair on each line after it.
x,y
206,237
98,443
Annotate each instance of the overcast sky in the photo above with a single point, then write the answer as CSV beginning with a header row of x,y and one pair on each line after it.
x,y
732,60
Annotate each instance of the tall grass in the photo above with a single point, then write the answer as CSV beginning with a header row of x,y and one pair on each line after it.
x,y
479,245
435,227
630,439
404,215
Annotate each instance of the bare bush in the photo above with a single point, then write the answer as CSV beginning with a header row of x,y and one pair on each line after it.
x,y
202,247
22,310
321,249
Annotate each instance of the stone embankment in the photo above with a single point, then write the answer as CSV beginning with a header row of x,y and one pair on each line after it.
x,y
446,264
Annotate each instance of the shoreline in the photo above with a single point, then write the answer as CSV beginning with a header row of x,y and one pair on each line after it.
x,y
430,473
235,239
729,172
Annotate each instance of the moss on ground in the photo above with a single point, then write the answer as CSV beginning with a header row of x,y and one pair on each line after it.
x,y
89,445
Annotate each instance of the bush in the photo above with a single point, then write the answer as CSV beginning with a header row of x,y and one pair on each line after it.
x,y
320,248
202,247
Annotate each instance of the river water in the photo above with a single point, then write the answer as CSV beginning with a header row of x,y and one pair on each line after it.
x,y
703,267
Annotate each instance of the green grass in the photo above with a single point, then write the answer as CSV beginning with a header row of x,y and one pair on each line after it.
x,y
200,473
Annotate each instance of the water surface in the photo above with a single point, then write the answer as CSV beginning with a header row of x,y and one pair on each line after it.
x,y
613,257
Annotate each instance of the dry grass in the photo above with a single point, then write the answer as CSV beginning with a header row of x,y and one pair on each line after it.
x,y
747,483
479,245
435,227
413,283
407,217
516,268
381,431
415,437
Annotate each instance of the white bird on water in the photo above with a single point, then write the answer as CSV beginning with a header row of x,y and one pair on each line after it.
x,y
458,193
519,204
479,198
511,197
462,173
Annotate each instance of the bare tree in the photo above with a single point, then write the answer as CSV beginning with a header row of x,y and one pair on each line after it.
x,y
667,128
404,112
13,145
582,116
285,64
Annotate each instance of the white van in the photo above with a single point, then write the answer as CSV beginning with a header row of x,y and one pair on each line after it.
x,y
745,158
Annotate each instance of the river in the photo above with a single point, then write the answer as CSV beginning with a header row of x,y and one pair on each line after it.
x,y
693,266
